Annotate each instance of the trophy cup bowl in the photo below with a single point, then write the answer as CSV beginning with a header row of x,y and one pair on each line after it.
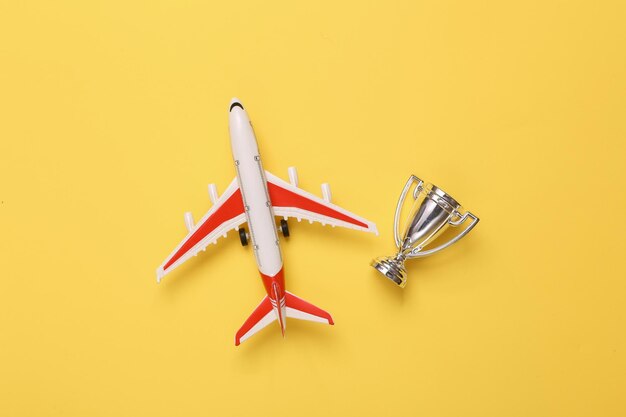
x,y
432,213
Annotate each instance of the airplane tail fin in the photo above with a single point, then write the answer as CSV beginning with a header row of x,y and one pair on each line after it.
x,y
297,308
265,313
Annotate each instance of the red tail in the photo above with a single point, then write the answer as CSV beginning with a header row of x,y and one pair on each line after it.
x,y
300,309
269,311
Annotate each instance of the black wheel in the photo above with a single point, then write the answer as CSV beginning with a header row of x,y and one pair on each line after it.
x,y
284,227
243,237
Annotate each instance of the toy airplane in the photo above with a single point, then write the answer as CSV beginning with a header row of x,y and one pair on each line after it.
x,y
255,197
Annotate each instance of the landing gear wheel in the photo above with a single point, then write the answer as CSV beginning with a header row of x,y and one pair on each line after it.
x,y
284,227
243,237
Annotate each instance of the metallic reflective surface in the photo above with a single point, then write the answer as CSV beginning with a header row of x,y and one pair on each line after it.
x,y
391,267
432,212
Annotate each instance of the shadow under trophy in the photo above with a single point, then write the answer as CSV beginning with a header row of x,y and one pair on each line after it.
x,y
433,212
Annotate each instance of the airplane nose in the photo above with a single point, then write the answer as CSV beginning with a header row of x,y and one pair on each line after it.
x,y
235,103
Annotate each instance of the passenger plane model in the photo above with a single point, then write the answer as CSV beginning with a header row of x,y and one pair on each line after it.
x,y
256,197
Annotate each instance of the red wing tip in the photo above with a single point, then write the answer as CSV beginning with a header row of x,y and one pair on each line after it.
x,y
238,339
330,321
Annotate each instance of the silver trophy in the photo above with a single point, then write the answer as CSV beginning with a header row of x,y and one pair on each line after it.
x,y
432,213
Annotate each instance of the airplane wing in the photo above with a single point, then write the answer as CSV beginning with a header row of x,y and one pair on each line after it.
x,y
226,214
291,201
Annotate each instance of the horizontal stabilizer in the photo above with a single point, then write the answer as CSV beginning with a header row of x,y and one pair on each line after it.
x,y
260,317
265,314
297,308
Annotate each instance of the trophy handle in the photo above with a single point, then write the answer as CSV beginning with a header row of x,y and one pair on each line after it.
x,y
396,218
461,220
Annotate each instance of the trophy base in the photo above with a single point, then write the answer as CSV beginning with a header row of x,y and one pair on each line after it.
x,y
392,268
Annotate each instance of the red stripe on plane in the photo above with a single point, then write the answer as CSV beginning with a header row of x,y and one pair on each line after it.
x,y
260,312
298,303
230,209
282,197
269,281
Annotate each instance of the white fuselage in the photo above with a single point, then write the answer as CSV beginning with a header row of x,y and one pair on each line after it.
x,y
253,186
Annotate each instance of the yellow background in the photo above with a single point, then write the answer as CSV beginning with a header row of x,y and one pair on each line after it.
x,y
113,120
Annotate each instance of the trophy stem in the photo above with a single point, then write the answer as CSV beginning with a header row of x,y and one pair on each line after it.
x,y
392,267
